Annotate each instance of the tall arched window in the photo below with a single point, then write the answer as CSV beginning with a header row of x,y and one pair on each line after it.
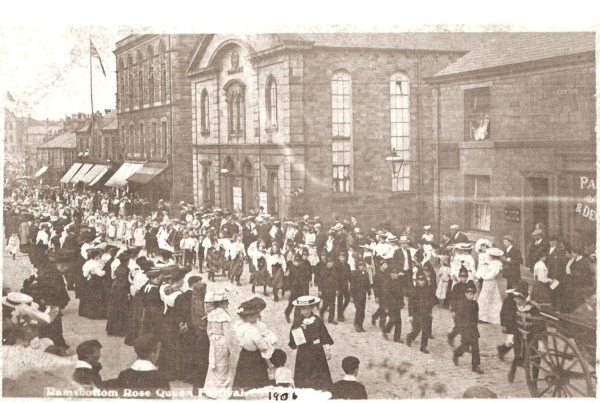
x,y
130,82
141,138
204,113
163,72
341,123
400,124
131,138
236,109
140,73
153,140
159,143
150,76
271,102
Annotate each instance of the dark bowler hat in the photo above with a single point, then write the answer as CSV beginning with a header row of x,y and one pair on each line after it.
x,y
470,287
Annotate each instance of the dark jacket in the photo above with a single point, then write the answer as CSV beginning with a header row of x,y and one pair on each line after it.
x,y
457,296
348,390
143,380
342,273
360,284
88,376
327,281
421,301
511,269
466,319
557,263
535,251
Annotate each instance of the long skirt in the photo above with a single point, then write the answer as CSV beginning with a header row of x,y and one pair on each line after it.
x,y
277,278
136,311
54,332
214,259
203,349
218,377
236,268
490,302
169,360
92,302
260,278
541,293
118,311
251,371
312,370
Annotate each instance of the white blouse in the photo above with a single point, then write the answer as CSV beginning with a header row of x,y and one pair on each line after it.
x,y
93,267
272,260
255,336
489,271
540,272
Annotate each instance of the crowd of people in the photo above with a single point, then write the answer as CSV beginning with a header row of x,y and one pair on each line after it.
x,y
140,269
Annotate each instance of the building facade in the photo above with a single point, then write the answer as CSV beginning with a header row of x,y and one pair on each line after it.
x,y
515,129
153,114
303,123
55,157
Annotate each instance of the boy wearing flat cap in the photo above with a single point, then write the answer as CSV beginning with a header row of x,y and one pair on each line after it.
x,y
87,368
466,322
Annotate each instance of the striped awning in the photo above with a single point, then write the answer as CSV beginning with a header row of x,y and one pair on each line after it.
x,y
41,171
81,173
119,179
70,173
148,172
100,175
93,173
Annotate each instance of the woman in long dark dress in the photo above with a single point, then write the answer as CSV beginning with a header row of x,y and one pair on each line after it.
x,y
257,346
169,360
118,305
137,279
92,303
310,336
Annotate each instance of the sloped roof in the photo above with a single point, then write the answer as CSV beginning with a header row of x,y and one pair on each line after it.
x,y
523,47
109,121
67,140
440,41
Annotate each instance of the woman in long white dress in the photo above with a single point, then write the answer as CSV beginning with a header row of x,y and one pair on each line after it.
x,y
490,300
218,378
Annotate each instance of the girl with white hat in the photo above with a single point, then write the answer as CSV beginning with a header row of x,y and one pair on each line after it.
x,y
310,336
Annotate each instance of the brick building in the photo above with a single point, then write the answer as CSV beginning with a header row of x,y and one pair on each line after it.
x,y
515,126
56,157
154,116
274,113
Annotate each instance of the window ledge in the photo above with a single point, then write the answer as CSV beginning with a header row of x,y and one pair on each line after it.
x,y
400,195
343,196
271,129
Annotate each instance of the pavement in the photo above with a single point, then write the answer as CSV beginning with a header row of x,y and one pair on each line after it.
x,y
388,370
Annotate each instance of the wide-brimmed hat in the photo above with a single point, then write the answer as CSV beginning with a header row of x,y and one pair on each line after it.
x,y
392,238
338,226
427,227
537,232
495,252
463,246
306,300
253,304
521,290
216,296
14,299
455,226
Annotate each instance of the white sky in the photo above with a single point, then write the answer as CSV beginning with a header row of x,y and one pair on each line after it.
x,y
44,58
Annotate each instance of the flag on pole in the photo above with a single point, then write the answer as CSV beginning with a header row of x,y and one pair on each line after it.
x,y
94,53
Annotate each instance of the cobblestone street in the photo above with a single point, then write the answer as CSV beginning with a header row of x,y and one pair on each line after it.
x,y
388,370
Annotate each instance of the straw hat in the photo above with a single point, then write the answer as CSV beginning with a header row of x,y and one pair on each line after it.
x,y
216,296
495,252
252,305
306,300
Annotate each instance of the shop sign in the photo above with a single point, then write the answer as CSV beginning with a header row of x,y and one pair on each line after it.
x,y
586,198
512,214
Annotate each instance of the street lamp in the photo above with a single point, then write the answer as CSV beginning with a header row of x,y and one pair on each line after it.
x,y
395,163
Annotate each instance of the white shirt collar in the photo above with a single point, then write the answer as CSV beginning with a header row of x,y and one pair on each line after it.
x,y
82,364
508,249
349,378
143,365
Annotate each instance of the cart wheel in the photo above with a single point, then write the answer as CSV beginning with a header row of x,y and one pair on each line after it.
x,y
554,367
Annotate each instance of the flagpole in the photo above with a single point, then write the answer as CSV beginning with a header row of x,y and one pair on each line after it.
x,y
91,87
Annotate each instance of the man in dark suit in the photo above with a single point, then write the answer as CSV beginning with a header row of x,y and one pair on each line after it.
x,y
360,288
538,246
394,289
557,264
349,388
512,263
456,236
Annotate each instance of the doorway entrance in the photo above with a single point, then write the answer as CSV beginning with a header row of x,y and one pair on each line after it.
x,y
538,204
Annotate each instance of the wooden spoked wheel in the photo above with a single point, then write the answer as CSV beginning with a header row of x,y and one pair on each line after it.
x,y
554,367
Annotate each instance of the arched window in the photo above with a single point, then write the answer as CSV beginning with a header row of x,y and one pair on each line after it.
x,y
400,124
159,143
141,140
166,145
140,72
204,113
341,123
131,140
150,76
271,102
163,72
130,82
235,94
